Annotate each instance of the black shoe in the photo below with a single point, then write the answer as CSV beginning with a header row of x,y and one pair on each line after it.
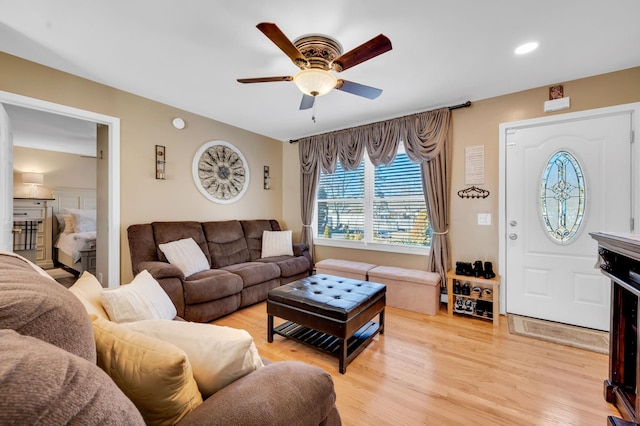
x,y
466,289
488,270
459,268
467,269
456,287
477,269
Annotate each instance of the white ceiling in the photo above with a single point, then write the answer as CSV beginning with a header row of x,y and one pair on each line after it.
x,y
189,53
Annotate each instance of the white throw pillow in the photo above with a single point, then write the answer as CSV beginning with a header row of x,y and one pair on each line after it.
x,y
218,355
84,220
276,243
143,299
87,288
186,255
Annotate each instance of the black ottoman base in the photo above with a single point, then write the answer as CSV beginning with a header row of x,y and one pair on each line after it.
x,y
341,329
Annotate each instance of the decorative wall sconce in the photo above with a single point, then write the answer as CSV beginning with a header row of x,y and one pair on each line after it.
x,y
160,161
267,179
33,180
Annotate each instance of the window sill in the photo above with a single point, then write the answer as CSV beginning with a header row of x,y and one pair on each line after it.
x,y
361,245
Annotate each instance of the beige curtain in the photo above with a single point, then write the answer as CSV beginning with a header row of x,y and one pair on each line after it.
x,y
426,137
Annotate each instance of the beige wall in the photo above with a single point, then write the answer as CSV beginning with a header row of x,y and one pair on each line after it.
x,y
478,125
145,123
61,170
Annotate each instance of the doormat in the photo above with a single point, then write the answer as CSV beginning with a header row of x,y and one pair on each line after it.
x,y
563,334
58,273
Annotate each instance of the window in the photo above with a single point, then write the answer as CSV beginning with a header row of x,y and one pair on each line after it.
x,y
373,207
562,197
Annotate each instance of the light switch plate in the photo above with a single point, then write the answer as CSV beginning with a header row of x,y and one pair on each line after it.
x,y
484,219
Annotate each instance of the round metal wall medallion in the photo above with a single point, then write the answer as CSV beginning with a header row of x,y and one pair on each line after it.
x,y
220,172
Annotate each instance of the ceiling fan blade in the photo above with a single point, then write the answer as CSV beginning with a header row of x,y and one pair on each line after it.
x,y
307,101
279,39
265,79
372,48
358,89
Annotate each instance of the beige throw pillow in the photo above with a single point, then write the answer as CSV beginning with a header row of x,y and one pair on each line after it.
x,y
88,289
276,243
218,355
154,374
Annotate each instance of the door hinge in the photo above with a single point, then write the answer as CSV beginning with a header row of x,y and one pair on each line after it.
x,y
633,224
633,136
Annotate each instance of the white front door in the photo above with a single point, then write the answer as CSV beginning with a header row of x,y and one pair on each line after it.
x,y
6,182
564,179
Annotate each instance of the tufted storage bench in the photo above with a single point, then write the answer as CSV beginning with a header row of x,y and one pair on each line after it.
x,y
409,289
344,268
333,314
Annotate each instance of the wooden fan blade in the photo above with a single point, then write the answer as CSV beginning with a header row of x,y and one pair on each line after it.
x,y
265,79
372,48
279,39
358,89
307,101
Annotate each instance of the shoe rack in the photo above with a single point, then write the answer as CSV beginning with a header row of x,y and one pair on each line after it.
x,y
483,303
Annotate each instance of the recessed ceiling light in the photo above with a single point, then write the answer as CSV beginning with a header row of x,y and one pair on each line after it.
x,y
526,48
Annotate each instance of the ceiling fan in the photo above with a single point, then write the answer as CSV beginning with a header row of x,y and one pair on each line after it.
x,y
317,56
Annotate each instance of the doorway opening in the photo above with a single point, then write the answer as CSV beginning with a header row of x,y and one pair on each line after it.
x,y
108,181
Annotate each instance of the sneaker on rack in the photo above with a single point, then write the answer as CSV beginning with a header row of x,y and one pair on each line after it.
x,y
459,305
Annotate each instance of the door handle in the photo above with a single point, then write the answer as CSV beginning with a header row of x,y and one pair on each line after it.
x,y
513,236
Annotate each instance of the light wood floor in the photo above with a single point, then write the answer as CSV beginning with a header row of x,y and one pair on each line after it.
x,y
451,370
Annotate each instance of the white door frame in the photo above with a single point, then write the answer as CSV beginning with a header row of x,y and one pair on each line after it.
x,y
633,108
113,215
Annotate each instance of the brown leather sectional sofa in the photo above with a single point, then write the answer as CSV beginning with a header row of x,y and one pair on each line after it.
x,y
238,277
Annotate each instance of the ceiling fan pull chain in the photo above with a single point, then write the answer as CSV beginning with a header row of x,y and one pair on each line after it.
x,y
313,114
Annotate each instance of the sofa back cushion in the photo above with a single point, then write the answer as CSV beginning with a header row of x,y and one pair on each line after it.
x,y
166,232
226,243
253,230
38,306
142,245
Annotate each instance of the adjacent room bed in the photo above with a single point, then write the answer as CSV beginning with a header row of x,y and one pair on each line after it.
x,y
74,229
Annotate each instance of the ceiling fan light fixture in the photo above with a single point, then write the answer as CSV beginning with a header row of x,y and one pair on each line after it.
x,y
315,82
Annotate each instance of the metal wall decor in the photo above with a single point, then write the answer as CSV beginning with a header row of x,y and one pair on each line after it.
x,y
473,192
161,161
220,172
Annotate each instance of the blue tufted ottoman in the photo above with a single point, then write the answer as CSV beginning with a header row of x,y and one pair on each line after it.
x,y
330,313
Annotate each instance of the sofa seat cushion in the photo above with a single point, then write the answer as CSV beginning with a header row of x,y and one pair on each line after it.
x,y
43,384
289,265
253,273
210,285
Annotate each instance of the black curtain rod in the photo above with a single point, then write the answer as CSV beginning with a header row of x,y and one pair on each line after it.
x,y
451,108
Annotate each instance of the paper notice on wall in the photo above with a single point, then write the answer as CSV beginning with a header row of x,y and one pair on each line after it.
x,y
474,165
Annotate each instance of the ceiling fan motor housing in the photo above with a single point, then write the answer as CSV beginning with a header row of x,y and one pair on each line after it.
x,y
319,50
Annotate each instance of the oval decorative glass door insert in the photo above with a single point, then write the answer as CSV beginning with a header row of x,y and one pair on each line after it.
x,y
562,197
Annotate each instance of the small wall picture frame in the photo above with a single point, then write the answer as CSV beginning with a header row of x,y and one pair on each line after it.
x,y
556,92
160,161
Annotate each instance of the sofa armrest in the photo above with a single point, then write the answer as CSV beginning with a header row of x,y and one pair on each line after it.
x,y
299,249
281,393
159,270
